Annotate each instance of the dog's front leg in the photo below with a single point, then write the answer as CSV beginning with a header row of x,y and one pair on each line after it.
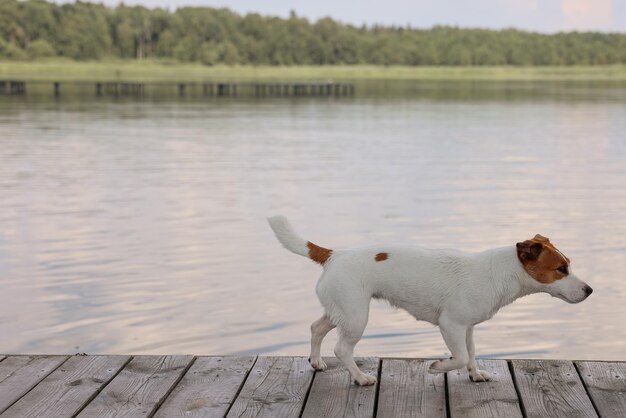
x,y
475,374
454,335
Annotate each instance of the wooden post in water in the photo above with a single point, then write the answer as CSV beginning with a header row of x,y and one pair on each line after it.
x,y
181,89
17,88
98,89
57,89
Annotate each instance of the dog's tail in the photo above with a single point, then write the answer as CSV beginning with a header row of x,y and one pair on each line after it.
x,y
296,244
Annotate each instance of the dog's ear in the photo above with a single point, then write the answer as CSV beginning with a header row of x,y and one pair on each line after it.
x,y
541,238
529,250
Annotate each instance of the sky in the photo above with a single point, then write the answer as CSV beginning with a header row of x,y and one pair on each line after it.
x,y
535,15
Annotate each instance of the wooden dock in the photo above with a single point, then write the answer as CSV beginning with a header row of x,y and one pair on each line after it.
x,y
177,386
119,88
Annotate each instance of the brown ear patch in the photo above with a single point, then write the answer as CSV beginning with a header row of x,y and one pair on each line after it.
x,y
317,253
381,257
529,250
541,259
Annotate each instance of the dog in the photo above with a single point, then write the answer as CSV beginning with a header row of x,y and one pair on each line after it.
x,y
451,289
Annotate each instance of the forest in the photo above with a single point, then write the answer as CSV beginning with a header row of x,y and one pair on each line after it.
x,y
36,29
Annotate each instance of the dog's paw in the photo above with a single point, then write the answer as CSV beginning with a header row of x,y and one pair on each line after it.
x,y
365,380
435,367
318,364
477,375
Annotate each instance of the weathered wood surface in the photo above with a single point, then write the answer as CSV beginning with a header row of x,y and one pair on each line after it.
x,y
408,390
276,387
333,394
606,383
208,388
65,391
139,388
551,388
496,398
177,386
19,374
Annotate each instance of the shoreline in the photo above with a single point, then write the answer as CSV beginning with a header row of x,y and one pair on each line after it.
x,y
65,70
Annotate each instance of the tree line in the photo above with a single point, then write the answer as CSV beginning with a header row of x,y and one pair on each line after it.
x,y
35,29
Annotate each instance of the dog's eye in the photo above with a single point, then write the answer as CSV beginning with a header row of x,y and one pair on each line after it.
x,y
563,269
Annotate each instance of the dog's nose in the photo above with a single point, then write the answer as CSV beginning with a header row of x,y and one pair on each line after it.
x,y
588,290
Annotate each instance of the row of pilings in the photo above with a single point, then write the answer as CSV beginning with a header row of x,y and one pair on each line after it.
x,y
206,89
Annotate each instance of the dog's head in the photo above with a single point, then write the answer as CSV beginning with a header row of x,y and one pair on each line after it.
x,y
550,269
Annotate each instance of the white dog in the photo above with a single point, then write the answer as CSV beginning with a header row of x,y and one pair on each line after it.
x,y
448,288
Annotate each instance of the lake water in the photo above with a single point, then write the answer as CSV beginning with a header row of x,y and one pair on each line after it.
x,y
139,226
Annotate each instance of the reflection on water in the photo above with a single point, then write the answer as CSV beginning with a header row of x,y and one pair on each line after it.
x,y
140,226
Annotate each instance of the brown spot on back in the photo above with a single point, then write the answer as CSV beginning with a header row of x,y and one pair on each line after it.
x,y
541,259
381,256
317,253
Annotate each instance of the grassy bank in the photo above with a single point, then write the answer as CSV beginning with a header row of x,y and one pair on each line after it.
x,y
163,71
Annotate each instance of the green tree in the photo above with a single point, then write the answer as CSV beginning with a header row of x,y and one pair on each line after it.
x,y
11,51
83,32
80,30
40,49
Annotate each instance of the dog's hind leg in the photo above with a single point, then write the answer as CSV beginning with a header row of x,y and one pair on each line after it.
x,y
475,374
350,333
319,329
454,335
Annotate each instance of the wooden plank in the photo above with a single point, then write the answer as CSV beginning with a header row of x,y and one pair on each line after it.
x,y
67,389
551,388
19,374
496,398
333,393
276,387
606,383
408,390
208,388
139,388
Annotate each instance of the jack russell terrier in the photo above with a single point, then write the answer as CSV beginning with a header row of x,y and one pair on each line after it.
x,y
448,288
